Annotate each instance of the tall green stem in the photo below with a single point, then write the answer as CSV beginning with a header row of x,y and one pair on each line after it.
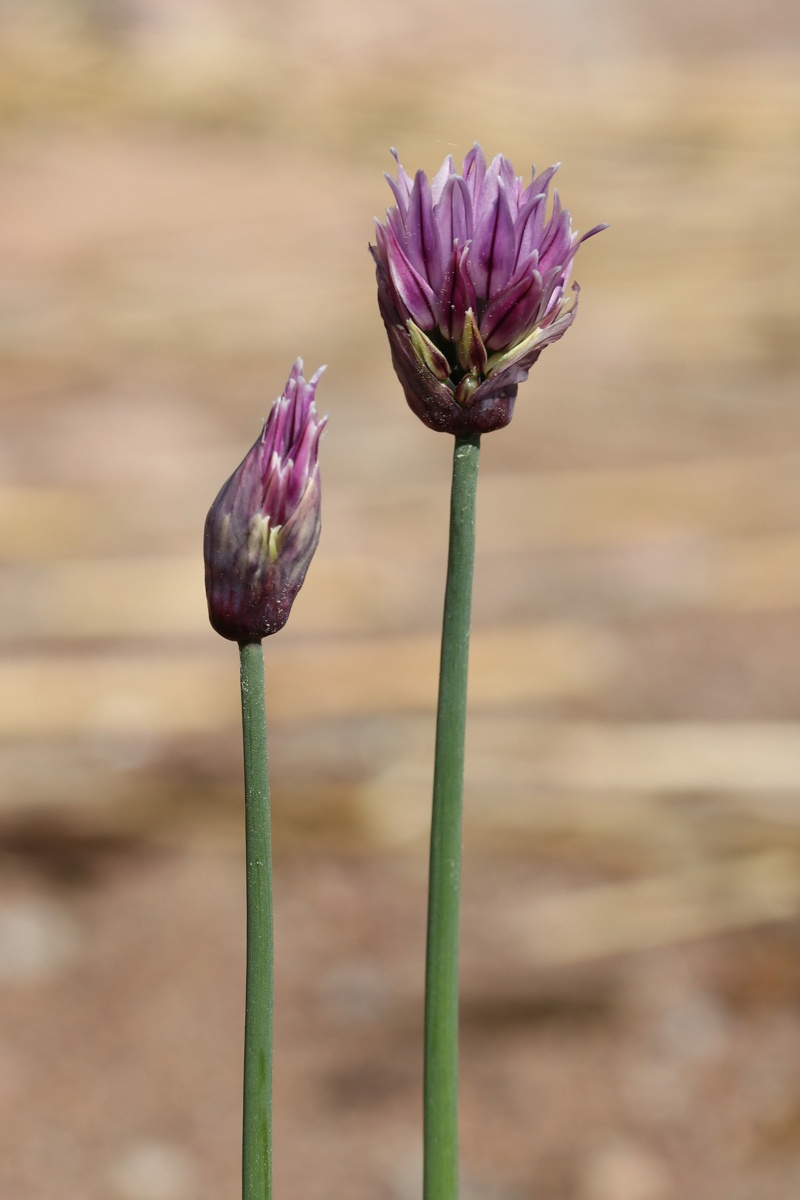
x,y
257,1126
441,981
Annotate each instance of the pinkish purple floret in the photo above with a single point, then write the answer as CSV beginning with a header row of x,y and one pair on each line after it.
x,y
263,528
477,242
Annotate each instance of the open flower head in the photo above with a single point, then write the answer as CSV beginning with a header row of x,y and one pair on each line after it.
x,y
472,285
263,528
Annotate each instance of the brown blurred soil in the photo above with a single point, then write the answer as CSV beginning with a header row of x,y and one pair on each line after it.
x,y
181,217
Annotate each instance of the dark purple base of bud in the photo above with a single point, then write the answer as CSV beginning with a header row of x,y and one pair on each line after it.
x,y
241,614
490,406
434,402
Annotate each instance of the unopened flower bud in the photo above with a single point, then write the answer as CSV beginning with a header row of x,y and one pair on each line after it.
x,y
263,528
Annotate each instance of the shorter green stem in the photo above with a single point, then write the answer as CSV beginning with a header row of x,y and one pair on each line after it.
x,y
257,1123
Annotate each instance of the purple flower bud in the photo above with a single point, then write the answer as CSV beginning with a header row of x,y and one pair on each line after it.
x,y
263,528
472,285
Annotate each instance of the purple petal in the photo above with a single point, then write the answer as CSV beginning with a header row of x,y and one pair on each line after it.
x,y
552,307
400,194
441,177
493,254
379,251
305,451
273,435
453,214
285,454
414,292
396,221
541,183
513,312
273,504
457,294
557,244
560,320
560,272
585,236
403,178
241,494
555,224
423,246
506,174
529,225
505,370
474,173
483,204
552,291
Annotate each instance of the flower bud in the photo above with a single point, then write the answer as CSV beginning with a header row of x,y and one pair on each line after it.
x,y
472,279
263,528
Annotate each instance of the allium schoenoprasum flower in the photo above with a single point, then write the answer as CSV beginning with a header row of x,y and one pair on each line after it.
x,y
472,285
263,528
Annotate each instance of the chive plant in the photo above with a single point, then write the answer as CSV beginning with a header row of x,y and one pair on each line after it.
x,y
472,271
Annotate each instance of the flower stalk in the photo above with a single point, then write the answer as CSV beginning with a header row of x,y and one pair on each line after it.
x,y
441,976
259,993
260,536
473,271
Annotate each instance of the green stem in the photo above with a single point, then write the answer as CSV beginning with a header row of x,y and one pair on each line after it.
x,y
441,981
257,1126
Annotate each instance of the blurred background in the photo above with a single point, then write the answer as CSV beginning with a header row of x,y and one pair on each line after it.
x,y
187,193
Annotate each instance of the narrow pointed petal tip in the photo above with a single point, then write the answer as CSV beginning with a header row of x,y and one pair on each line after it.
x,y
472,273
264,526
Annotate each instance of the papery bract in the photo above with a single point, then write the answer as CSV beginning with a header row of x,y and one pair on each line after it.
x,y
263,528
472,275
